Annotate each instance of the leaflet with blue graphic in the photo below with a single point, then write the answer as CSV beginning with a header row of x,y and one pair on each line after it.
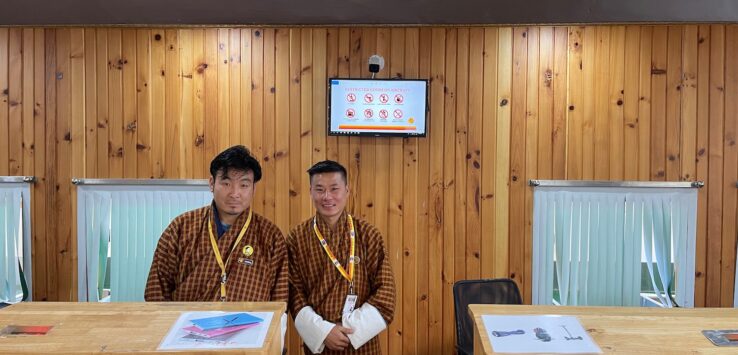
x,y
228,320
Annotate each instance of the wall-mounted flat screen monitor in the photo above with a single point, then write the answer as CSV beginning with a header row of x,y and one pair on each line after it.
x,y
377,107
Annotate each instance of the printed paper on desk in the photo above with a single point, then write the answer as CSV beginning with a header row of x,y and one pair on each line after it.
x,y
250,338
550,334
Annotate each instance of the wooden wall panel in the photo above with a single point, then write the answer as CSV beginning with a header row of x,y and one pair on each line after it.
x,y
588,44
4,98
436,187
730,168
50,220
15,101
534,82
63,147
631,123
506,105
423,207
702,123
158,102
715,173
38,211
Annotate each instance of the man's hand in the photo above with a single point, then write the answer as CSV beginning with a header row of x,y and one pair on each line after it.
x,y
337,339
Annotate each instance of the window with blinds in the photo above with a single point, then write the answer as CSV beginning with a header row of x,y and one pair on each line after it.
x,y
119,225
15,239
595,245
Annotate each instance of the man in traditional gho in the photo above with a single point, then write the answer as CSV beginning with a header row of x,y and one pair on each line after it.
x,y
224,251
342,292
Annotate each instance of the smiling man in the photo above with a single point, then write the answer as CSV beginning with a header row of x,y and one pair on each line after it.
x,y
342,292
225,251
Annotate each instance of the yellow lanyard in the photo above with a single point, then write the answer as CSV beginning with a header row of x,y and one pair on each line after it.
x,y
350,275
223,274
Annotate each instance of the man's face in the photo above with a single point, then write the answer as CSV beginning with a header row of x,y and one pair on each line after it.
x,y
330,193
232,192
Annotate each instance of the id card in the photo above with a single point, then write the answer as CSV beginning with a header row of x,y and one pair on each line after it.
x,y
348,307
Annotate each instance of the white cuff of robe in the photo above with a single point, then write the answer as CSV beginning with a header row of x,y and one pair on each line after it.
x,y
283,324
366,322
312,329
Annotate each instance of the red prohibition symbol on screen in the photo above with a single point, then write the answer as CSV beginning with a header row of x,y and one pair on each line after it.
x,y
368,113
350,113
368,98
399,99
397,113
383,113
351,97
383,98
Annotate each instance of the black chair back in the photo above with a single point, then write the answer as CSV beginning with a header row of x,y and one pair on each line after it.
x,y
490,291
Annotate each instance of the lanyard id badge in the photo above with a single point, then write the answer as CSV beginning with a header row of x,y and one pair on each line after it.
x,y
350,303
351,298
219,258
352,234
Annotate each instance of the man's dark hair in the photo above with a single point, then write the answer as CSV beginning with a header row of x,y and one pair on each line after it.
x,y
327,166
237,158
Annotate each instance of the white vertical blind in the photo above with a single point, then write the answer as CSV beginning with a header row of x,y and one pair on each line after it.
x,y
132,218
15,241
590,240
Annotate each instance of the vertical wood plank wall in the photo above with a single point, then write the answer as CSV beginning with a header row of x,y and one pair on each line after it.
x,y
507,104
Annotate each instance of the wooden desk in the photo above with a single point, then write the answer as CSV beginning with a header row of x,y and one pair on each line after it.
x,y
627,330
117,327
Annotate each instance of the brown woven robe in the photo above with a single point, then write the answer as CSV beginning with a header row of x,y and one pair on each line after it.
x,y
315,281
185,269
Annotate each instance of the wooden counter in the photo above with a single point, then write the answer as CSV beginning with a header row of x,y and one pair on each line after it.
x,y
118,327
